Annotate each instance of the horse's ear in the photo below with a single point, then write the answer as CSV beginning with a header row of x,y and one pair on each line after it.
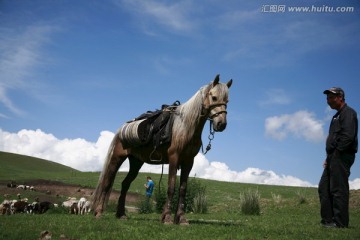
x,y
229,83
216,80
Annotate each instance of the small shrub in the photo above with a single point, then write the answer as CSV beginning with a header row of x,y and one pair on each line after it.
x,y
277,198
194,188
200,204
160,198
250,202
145,206
301,197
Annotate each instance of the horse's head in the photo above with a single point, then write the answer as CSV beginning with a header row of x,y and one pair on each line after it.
x,y
216,101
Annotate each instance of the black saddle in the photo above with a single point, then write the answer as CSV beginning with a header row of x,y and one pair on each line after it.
x,y
157,125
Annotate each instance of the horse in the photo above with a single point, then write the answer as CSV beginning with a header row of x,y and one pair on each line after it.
x,y
209,102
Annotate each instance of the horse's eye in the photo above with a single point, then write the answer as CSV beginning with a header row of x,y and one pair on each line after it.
x,y
214,98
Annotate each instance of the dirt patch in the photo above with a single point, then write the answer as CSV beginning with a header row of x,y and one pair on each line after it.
x,y
57,192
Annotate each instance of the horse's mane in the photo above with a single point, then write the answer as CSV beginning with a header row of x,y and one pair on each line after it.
x,y
187,118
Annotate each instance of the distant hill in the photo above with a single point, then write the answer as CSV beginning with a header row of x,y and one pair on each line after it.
x,y
16,166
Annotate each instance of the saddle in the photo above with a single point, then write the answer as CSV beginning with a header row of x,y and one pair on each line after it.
x,y
152,126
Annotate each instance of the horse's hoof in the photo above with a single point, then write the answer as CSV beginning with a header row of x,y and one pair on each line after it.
x,y
121,216
97,214
167,220
182,221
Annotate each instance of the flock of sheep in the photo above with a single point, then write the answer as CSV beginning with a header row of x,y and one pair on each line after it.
x,y
21,205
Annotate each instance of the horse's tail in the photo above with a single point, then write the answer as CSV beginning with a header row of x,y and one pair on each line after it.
x,y
106,180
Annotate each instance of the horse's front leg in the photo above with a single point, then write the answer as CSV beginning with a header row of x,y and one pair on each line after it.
x,y
180,213
166,214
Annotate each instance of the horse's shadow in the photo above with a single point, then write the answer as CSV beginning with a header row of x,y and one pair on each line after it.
x,y
215,222
197,221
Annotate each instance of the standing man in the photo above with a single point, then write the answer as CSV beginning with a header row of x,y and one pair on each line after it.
x,y
149,185
341,146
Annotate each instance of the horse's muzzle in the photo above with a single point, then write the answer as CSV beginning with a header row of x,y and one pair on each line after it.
x,y
219,126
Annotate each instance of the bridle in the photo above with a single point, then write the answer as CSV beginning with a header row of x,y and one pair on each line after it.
x,y
206,110
212,106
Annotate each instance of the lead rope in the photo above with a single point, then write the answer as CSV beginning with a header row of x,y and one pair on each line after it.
x,y
162,171
210,137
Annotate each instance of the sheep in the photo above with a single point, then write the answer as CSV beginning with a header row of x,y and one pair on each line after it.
x,y
74,208
86,208
33,208
44,206
71,203
19,207
81,204
5,209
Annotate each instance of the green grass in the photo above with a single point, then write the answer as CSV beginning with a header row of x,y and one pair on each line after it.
x,y
276,223
285,219
19,167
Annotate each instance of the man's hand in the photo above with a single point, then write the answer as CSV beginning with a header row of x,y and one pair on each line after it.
x,y
325,164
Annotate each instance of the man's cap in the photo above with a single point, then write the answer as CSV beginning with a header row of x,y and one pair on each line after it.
x,y
336,91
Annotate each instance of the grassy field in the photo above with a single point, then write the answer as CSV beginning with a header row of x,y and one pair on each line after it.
x,y
286,212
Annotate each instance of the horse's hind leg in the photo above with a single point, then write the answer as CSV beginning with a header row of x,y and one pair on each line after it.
x,y
105,185
116,156
135,165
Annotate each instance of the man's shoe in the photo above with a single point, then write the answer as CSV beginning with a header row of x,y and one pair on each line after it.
x,y
329,225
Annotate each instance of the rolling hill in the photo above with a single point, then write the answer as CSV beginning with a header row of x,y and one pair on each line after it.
x,y
15,166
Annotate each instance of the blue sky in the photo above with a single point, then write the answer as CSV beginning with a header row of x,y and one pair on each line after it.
x,y
72,72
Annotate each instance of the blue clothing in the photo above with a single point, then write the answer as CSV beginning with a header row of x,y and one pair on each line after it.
x,y
150,187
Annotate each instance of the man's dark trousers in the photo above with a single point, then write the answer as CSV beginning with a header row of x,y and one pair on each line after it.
x,y
334,188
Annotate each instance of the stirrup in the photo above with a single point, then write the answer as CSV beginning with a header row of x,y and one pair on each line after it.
x,y
154,160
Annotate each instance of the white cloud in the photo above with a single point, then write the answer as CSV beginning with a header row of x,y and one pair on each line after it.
x,y
88,156
301,124
172,16
220,171
355,184
20,54
76,153
276,97
3,116
7,102
236,18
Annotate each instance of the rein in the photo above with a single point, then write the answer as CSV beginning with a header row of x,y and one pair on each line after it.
x,y
210,118
162,172
210,137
